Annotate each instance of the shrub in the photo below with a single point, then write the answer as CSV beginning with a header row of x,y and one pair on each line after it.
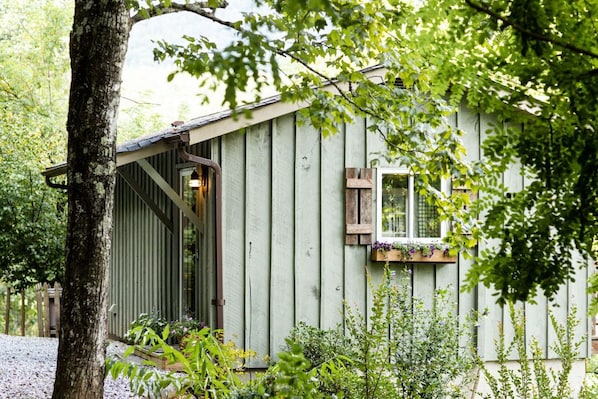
x,y
319,345
143,324
532,379
409,350
209,366
404,349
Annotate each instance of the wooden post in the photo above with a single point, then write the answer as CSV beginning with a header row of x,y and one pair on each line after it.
x,y
40,319
7,319
23,312
57,291
46,310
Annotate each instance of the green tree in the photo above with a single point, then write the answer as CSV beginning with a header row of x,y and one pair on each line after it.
x,y
32,91
533,65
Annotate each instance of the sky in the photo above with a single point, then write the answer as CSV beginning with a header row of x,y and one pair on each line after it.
x,y
145,81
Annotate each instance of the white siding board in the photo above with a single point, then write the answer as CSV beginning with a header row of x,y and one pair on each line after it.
x,y
447,276
332,226
307,225
514,182
355,256
257,240
468,122
466,300
233,228
580,298
488,330
375,147
424,283
282,289
559,308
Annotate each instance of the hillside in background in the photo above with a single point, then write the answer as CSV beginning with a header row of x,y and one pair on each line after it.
x,y
146,92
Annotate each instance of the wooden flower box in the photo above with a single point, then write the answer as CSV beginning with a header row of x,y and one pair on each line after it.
x,y
158,359
395,255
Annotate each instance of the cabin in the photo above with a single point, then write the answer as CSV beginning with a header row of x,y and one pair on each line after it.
x,y
253,225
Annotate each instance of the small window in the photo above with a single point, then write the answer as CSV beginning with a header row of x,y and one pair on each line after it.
x,y
403,213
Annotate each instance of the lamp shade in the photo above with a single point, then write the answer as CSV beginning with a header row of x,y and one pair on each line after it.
x,y
194,183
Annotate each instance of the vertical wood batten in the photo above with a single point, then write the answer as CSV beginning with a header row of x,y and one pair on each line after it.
x,y
282,287
233,227
258,185
468,122
307,225
514,181
536,317
374,145
332,227
355,256
579,297
488,330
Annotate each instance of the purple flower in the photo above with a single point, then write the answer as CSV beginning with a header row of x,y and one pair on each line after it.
x,y
381,246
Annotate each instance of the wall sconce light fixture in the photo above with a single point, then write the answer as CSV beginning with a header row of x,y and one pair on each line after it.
x,y
195,181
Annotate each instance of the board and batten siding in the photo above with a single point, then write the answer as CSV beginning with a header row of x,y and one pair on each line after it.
x,y
284,255
144,275
142,249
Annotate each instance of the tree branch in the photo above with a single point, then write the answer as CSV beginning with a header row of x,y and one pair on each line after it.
x,y
200,8
535,35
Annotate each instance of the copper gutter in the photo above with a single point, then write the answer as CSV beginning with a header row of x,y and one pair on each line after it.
x,y
219,301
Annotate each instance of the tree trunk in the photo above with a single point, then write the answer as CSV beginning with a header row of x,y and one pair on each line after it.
x,y
97,49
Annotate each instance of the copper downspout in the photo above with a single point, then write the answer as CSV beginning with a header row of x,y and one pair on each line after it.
x,y
219,301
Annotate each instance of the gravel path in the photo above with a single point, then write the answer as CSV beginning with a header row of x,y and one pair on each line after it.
x,y
28,365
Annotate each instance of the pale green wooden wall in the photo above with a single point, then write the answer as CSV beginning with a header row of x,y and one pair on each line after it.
x,y
143,250
284,255
145,256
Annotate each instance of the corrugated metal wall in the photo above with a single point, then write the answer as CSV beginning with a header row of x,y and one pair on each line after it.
x,y
284,255
145,257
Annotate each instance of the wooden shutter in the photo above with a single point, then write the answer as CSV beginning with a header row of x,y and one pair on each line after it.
x,y
358,202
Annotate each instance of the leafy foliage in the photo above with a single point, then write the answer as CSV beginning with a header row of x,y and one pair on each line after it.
x,y
319,346
408,349
533,378
209,366
139,327
529,63
532,64
32,113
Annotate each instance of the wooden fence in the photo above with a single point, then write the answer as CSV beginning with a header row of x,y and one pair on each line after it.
x,y
48,309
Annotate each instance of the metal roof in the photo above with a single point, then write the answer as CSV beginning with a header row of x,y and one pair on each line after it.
x,y
145,141
163,140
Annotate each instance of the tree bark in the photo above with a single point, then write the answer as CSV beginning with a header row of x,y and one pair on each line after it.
x,y
98,46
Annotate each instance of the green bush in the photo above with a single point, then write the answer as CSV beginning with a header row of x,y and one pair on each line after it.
x,y
532,379
209,366
319,345
143,324
407,349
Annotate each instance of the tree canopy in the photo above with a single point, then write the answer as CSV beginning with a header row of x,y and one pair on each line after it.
x,y
531,64
33,87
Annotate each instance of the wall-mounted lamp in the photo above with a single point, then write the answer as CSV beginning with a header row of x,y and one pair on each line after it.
x,y
195,181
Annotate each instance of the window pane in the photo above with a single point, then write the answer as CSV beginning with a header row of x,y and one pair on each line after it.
x,y
427,221
395,196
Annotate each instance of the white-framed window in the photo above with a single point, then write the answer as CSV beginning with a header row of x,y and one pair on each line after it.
x,y
403,214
